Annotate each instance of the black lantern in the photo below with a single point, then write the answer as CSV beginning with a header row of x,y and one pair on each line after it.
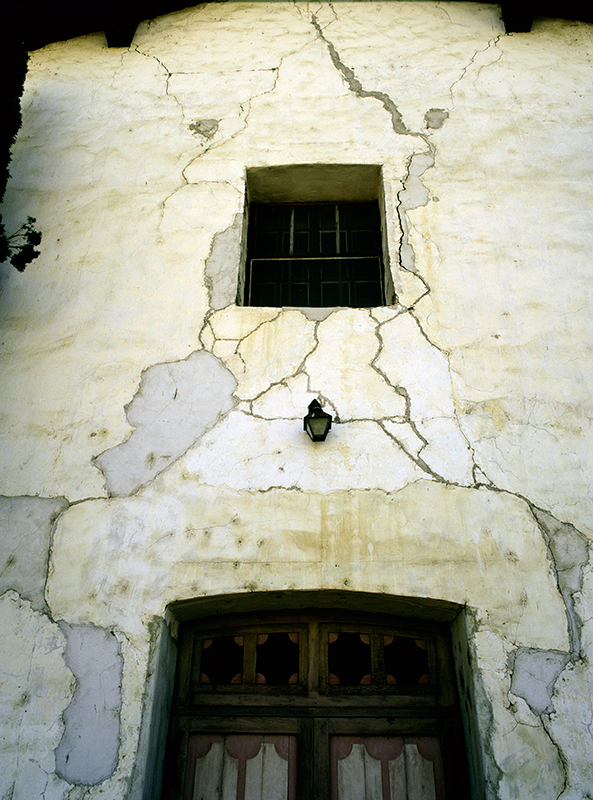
x,y
317,423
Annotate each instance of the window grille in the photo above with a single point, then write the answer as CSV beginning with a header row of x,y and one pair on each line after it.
x,y
314,255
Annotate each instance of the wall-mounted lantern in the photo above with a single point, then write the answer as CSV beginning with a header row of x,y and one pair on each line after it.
x,y
317,422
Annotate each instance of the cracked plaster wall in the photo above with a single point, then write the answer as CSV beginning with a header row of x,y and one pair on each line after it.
x,y
171,419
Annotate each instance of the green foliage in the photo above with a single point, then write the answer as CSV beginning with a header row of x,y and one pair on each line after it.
x,y
20,246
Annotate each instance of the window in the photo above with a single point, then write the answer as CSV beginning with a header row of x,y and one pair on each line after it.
x,y
314,254
315,704
314,237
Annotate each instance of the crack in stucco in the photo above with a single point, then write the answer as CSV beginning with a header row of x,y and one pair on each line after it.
x,y
212,312
412,194
416,459
480,479
213,139
491,43
407,417
535,672
357,88
404,250
568,552
562,757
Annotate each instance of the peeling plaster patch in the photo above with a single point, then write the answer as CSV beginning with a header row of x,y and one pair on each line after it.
x,y
174,405
435,118
535,673
222,265
415,194
25,532
35,688
524,755
569,553
317,314
205,127
88,751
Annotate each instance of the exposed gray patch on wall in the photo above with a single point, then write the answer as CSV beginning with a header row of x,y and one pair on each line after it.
x,y
316,314
148,768
535,673
222,265
568,550
25,532
88,751
175,404
205,127
435,118
413,195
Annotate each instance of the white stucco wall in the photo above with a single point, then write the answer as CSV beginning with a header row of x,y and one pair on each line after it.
x,y
170,419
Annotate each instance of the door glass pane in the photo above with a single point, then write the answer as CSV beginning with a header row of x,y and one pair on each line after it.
x,y
349,658
241,767
386,768
406,661
222,660
277,660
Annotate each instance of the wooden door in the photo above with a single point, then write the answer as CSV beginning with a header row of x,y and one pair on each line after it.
x,y
312,706
386,768
241,767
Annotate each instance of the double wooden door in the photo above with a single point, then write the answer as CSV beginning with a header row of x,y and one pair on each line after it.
x,y
315,707
264,767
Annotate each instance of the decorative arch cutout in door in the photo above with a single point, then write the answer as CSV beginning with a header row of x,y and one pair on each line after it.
x,y
315,705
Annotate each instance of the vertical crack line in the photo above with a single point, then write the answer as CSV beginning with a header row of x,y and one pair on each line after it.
x,y
491,43
50,548
399,127
545,720
403,226
573,620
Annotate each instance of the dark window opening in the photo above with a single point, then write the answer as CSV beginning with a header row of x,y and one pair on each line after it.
x,y
315,255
